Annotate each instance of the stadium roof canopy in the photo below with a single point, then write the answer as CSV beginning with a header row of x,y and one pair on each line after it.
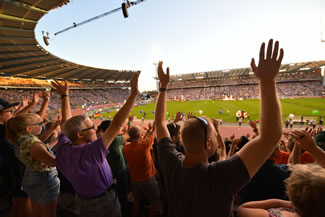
x,y
242,72
22,56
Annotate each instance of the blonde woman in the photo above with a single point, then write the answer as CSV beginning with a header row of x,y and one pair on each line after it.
x,y
306,191
40,180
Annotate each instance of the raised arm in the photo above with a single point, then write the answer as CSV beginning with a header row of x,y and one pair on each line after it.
x,y
254,153
254,127
39,152
44,136
117,123
221,144
63,91
259,208
295,155
161,127
32,104
23,104
45,96
306,142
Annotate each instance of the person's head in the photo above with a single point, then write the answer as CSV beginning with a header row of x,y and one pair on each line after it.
x,y
199,135
6,110
306,189
320,139
134,133
243,141
27,123
175,133
102,127
80,129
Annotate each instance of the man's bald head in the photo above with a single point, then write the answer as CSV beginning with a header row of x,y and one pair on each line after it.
x,y
134,132
196,133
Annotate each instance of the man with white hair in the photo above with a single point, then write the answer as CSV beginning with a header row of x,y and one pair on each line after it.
x,y
81,156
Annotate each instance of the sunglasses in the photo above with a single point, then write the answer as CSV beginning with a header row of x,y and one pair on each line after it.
x,y
90,128
205,126
39,124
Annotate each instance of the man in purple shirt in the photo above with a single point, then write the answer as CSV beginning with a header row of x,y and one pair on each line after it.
x,y
81,157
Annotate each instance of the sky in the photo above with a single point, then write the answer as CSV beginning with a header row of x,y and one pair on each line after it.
x,y
189,36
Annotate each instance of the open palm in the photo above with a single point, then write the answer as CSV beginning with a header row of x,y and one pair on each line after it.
x,y
268,67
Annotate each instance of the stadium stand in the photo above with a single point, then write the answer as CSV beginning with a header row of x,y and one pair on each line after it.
x,y
298,79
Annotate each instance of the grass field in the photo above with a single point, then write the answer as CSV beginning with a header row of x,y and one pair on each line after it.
x,y
210,108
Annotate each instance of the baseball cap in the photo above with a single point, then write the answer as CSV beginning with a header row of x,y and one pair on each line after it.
x,y
5,104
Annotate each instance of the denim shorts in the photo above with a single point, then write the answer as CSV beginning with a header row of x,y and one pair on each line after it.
x,y
41,187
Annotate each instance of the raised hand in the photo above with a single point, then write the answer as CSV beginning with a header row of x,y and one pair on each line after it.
x,y
36,97
178,117
131,117
190,115
61,89
268,67
303,139
252,124
134,84
46,94
215,123
24,101
57,123
163,77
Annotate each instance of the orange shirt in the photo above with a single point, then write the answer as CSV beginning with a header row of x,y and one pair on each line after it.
x,y
306,158
282,157
138,156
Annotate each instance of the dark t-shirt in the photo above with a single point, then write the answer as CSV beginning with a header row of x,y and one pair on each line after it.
x,y
11,169
268,183
204,190
115,156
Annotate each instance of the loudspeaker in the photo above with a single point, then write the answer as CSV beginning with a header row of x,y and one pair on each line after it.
x,y
125,10
45,39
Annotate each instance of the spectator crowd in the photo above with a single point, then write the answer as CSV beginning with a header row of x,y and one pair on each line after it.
x,y
68,166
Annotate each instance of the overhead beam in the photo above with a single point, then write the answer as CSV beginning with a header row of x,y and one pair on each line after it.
x,y
46,72
109,76
84,75
18,38
6,28
27,6
19,45
73,74
27,52
9,60
30,70
40,71
14,18
64,72
99,74
26,64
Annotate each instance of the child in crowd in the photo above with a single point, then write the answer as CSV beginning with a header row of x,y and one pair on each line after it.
x,y
40,180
